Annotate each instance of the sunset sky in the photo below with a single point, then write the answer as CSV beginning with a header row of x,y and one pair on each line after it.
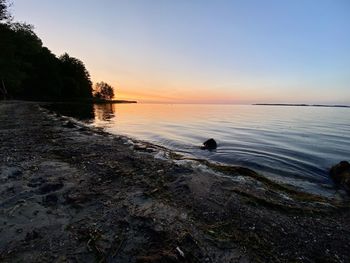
x,y
202,51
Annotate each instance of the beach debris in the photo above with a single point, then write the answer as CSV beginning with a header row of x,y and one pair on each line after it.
x,y
340,173
209,144
19,204
181,253
143,148
162,155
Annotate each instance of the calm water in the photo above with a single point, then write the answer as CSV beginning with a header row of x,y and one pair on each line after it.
x,y
284,142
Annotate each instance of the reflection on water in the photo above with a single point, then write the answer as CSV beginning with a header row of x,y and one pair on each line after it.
x,y
81,111
104,112
291,142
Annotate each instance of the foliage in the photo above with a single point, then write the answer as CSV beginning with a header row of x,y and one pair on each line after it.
x,y
28,70
4,14
76,78
103,91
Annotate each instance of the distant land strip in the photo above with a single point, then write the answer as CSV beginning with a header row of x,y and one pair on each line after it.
x,y
114,101
301,105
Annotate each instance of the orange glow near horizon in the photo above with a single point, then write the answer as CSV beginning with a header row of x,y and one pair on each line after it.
x,y
227,53
187,96
181,95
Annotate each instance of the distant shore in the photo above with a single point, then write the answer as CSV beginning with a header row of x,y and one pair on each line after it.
x,y
101,101
71,192
301,105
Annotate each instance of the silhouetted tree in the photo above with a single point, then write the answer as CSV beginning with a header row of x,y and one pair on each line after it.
x,y
76,81
103,91
18,47
4,14
28,70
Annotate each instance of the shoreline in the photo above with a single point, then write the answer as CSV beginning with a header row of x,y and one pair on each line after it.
x,y
90,195
303,184
297,184
301,105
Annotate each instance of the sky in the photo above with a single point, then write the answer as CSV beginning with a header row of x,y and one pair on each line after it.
x,y
204,51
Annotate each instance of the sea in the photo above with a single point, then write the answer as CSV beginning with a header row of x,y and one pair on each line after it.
x,y
292,144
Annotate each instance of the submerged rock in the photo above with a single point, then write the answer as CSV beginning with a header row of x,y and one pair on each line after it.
x,y
209,144
340,174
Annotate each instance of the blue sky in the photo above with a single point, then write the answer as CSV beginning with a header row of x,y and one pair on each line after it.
x,y
204,51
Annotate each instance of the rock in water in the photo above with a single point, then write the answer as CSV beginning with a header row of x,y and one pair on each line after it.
x,y
209,144
340,174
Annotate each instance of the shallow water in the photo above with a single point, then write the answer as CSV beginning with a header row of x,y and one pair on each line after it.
x,y
287,143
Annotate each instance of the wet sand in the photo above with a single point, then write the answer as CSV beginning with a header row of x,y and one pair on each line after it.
x,y
71,193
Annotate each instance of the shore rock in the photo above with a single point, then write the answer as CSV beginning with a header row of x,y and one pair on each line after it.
x,y
209,144
340,174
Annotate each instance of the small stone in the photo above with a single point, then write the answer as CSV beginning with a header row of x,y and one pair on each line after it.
x,y
340,174
209,144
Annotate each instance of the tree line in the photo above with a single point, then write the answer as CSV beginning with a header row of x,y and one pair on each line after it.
x,y
29,70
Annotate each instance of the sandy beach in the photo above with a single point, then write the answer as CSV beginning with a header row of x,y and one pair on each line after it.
x,y
73,193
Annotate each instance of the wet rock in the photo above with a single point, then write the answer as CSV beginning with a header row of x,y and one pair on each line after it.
x,y
50,187
143,148
209,144
340,173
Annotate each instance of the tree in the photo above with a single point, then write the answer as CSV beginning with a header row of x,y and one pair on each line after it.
x,y
19,47
4,16
103,91
4,13
76,78
28,70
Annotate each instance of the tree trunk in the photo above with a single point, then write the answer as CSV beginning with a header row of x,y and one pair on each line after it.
x,y
3,89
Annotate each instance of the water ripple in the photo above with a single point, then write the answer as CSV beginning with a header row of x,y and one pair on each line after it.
x,y
288,142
